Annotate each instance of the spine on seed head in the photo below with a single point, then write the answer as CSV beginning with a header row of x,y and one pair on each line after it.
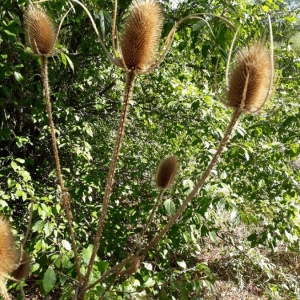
x,y
250,80
41,32
141,34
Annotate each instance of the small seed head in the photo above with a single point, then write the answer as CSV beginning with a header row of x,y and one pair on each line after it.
x,y
40,31
140,37
166,172
250,80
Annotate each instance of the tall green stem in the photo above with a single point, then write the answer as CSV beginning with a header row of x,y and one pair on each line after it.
x,y
65,194
127,95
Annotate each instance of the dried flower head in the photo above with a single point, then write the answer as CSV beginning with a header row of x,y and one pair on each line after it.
x,y
250,81
9,256
166,172
23,269
140,37
41,32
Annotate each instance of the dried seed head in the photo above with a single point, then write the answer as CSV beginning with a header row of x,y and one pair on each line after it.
x,y
166,172
23,269
40,31
250,81
140,37
9,256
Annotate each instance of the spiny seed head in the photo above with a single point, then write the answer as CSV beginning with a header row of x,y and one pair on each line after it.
x,y
140,37
250,80
9,256
166,172
23,269
40,31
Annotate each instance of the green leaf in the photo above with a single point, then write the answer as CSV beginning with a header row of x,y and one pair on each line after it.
x,y
20,160
14,165
49,280
102,266
9,33
87,253
70,62
181,264
149,283
38,226
66,245
63,59
18,76
48,229
170,207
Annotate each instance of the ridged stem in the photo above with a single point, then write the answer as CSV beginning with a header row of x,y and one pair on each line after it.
x,y
127,95
235,116
65,194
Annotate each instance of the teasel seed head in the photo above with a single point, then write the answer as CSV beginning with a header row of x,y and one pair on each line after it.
x,y
9,256
41,32
23,269
250,81
166,172
141,34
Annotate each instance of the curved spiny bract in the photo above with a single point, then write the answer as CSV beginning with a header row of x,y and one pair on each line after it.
x,y
9,256
250,80
41,32
140,37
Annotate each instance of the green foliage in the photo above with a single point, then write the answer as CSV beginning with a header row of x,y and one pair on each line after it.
x,y
175,110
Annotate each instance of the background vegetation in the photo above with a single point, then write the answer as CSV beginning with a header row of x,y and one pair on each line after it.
x,y
240,233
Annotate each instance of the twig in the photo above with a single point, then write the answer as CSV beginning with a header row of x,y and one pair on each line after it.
x,y
127,95
29,224
65,195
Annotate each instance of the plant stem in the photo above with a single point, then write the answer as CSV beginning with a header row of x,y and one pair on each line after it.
x,y
235,116
152,213
114,269
65,195
127,95
29,223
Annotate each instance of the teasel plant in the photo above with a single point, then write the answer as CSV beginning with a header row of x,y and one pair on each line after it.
x,y
42,36
139,54
248,88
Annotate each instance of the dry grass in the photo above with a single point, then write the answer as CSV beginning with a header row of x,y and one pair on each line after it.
x,y
245,273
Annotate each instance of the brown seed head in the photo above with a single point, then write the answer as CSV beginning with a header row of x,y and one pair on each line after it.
x,y
140,37
166,172
9,256
23,269
250,80
40,30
